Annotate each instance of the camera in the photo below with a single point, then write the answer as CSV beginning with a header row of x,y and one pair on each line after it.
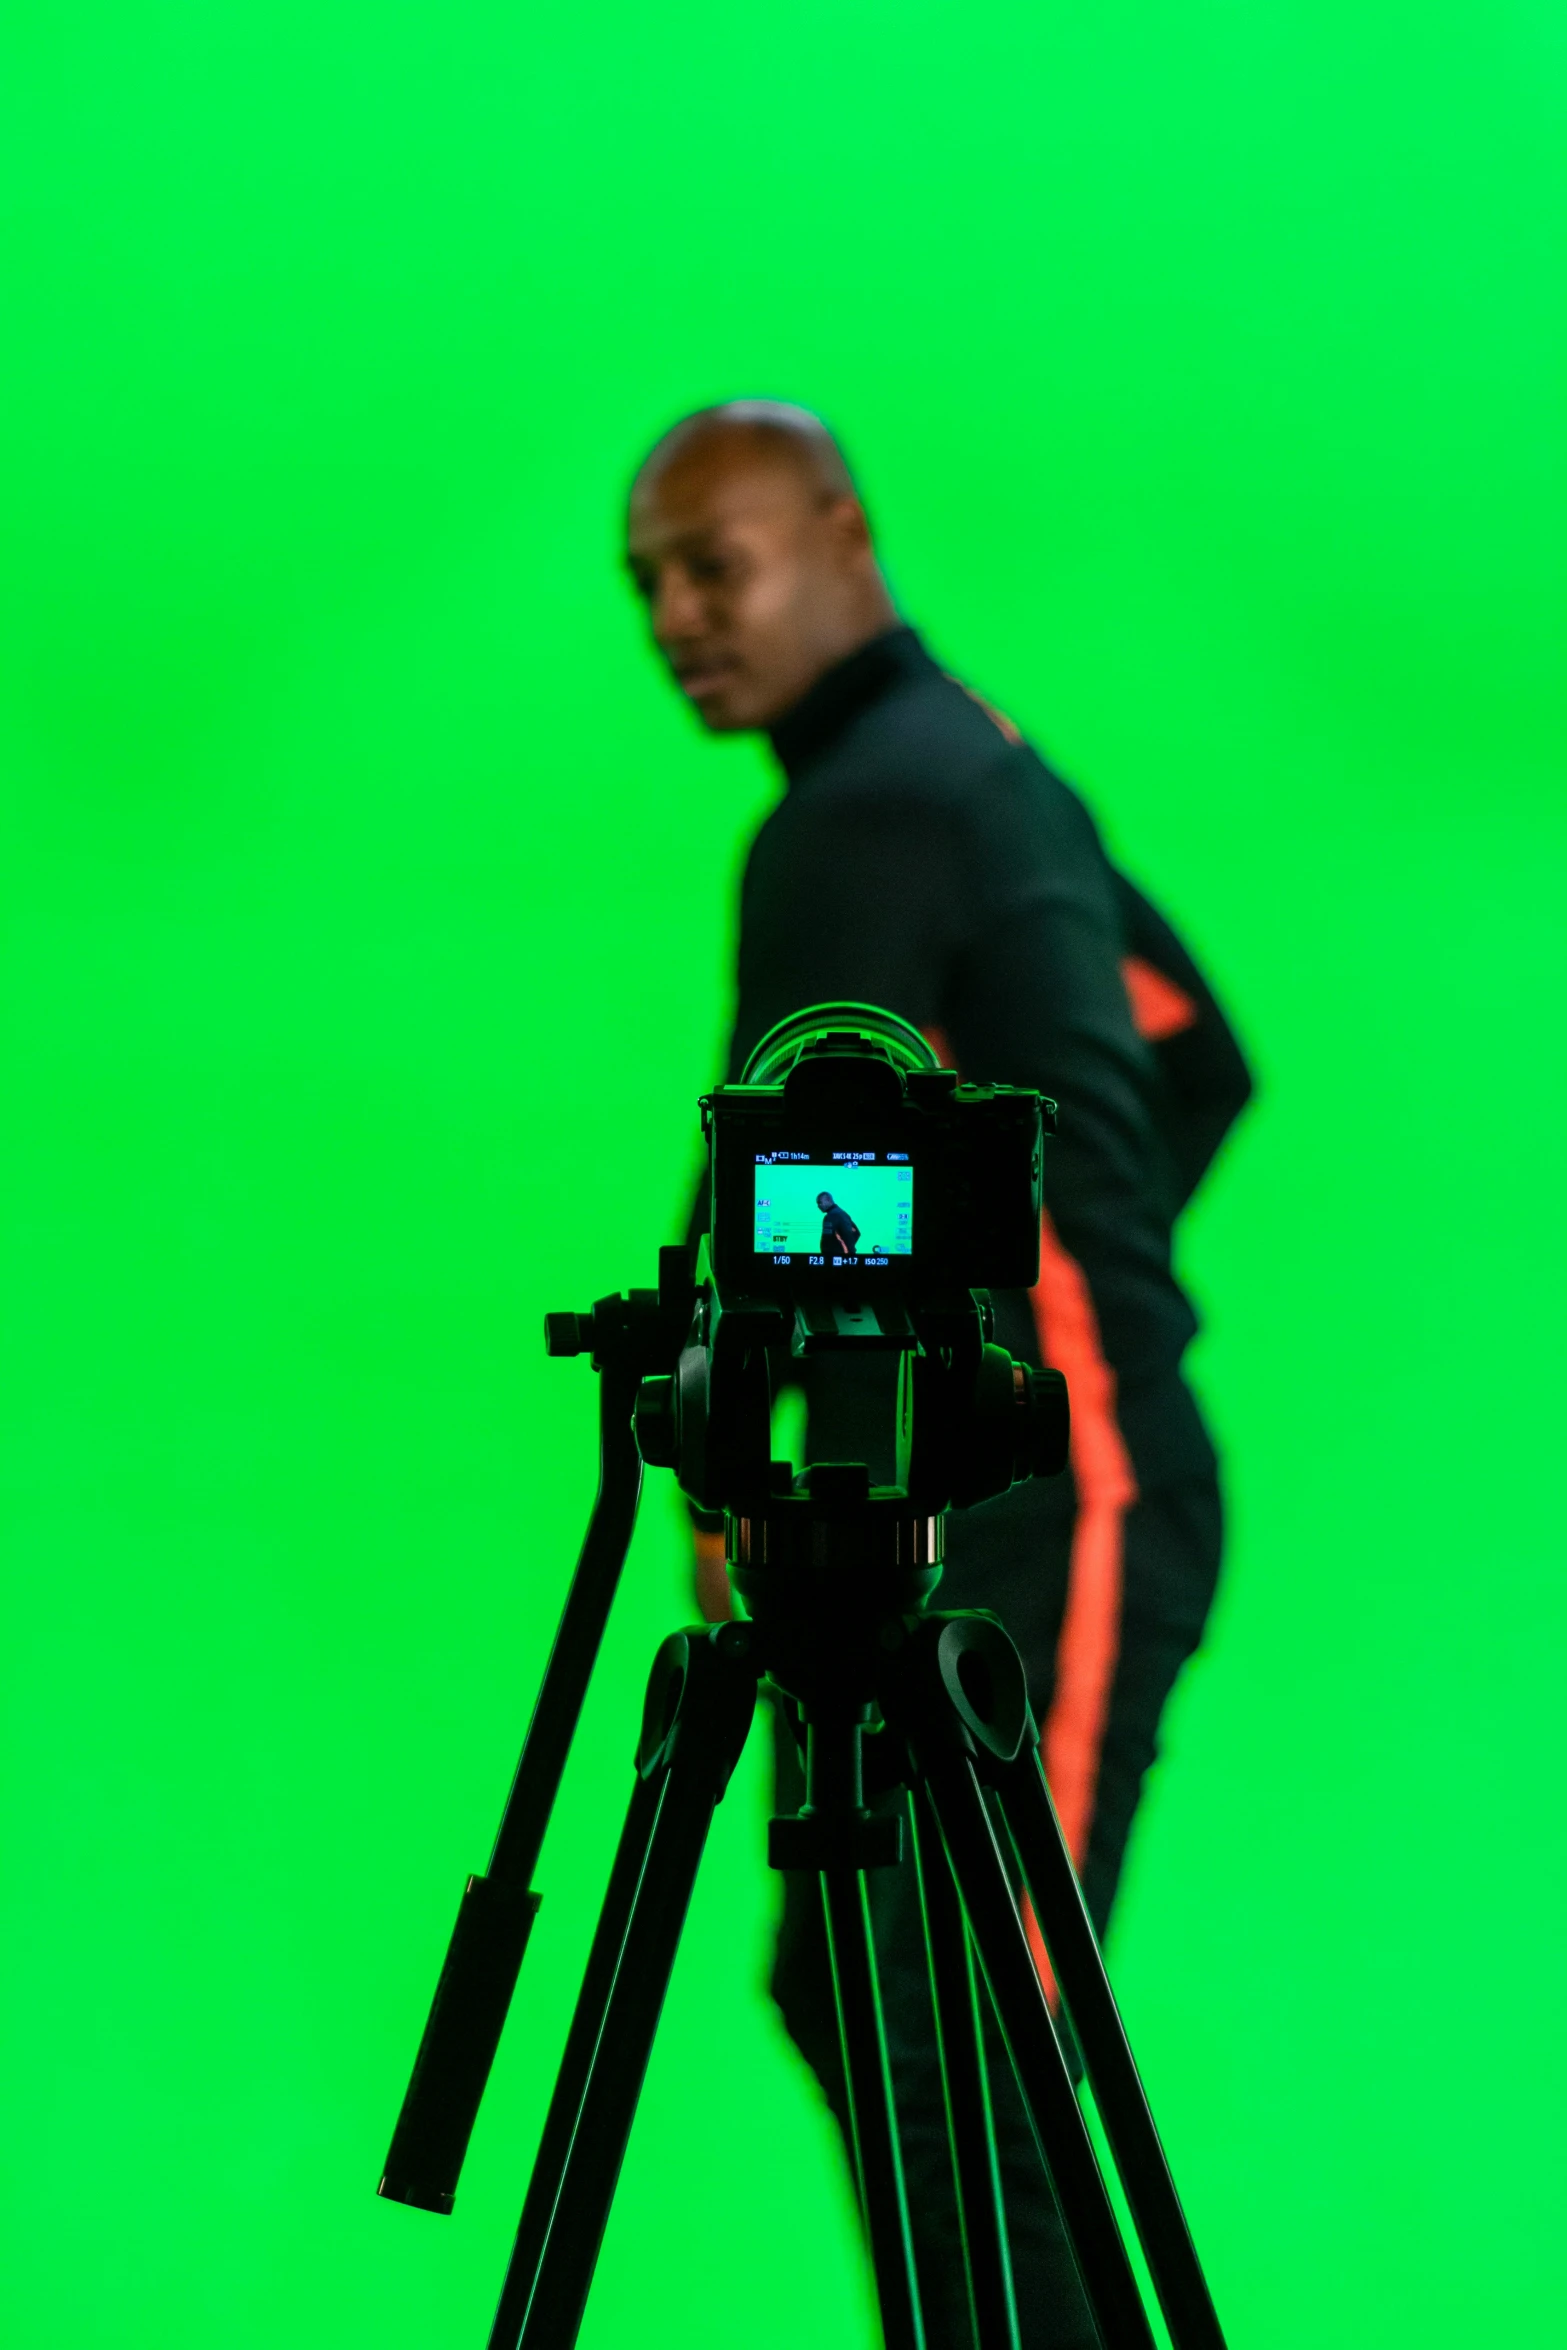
x,y
860,1197
847,1157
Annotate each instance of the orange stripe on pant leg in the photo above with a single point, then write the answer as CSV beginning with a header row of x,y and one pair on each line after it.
x,y
1089,1645
1090,1638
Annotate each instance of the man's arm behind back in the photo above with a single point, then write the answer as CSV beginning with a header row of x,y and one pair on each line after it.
x,y
1202,1079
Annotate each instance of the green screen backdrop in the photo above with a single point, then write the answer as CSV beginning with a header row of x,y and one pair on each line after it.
x,y
369,929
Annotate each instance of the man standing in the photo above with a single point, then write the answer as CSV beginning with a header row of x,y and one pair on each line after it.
x,y
840,1233
968,891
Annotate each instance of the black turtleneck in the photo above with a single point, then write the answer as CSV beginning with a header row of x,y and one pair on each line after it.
x,y
857,681
925,858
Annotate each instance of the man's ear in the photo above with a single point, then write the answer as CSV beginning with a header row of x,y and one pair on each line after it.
x,y
850,530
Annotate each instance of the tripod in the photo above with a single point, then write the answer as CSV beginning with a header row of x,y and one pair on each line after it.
x,y
837,1579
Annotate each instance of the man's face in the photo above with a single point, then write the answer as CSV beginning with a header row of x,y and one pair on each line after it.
x,y
754,583
824,1200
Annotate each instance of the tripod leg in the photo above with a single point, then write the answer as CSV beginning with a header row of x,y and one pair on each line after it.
x,y
992,2307
1058,2124
1112,2072
700,1702
576,2067
869,2081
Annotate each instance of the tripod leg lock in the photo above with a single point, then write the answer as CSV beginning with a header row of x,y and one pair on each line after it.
x,y
721,1661
959,1681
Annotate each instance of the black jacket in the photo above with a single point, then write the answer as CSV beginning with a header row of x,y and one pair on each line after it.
x,y
839,1233
925,858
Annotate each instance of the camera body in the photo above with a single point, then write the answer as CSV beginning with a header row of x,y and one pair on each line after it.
x,y
855,1172
860,1198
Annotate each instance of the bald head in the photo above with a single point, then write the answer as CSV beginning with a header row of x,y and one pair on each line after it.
x,y
758,433
748,543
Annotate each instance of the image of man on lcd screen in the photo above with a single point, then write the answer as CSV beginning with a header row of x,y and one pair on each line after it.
x,y
969,891
840,1233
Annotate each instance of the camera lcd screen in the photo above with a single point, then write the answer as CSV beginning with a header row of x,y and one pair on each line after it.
x,y
852,1208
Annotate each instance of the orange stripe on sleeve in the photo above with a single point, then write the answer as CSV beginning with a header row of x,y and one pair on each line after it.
x,y
998,718
1159,1007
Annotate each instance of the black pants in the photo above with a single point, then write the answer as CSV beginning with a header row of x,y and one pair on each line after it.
x,y
1012,1556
